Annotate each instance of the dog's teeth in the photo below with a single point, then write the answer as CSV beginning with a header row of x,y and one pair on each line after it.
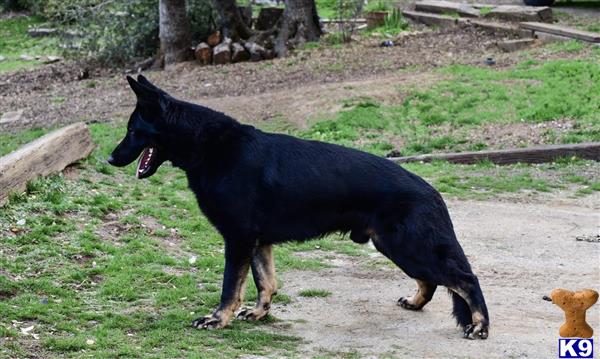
x,y
151,150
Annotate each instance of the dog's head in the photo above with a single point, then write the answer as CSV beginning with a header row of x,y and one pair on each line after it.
x,y
143,130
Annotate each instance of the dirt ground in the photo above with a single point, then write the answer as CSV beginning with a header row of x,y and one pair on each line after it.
x,y
520,253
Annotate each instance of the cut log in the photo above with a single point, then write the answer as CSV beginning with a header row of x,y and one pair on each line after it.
x,y
514,45
239,53
431,19
222,52
256,51
214,39
268,17
46,155
444,7
203,53
562,31
520,13
538,154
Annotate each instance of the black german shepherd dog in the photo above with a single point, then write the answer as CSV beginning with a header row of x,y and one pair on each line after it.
x,y
260,188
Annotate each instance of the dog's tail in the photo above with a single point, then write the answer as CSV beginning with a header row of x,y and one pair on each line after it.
x,y
460,310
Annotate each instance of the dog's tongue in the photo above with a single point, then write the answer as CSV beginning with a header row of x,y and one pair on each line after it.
x,y
144,161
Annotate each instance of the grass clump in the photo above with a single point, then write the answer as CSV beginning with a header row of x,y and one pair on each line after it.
x,y
314,293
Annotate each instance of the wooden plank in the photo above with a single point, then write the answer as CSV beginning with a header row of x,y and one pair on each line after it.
x,y
495,27
514,45
521,13
431,19
443,7
562,31
46,155
538,154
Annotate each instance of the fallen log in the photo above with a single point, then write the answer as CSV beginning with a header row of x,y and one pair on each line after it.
x,y
562,31
46,155
538,154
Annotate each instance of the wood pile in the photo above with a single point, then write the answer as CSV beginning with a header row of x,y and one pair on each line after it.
x,y
217,51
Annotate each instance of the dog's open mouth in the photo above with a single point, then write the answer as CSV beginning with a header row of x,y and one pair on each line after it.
x,y
146,163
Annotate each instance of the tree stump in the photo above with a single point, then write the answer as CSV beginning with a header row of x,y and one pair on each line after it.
x,y
238,53
268,17
203,53
222,52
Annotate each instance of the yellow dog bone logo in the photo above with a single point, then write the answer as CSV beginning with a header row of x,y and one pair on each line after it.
x,y
574,305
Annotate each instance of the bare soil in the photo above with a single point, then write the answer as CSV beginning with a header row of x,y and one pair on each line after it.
x,y
520,253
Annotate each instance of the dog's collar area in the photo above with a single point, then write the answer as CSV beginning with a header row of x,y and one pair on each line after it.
x,y
145,161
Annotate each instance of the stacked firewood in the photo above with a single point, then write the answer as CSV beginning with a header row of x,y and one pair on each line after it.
x,y
219,50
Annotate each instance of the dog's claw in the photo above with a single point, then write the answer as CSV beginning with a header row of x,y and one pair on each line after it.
x,y
475,331
208,322
405,303
251,314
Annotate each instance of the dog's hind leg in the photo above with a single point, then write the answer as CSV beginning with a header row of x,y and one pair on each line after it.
x,y
237,264
418,300
468,299
263,272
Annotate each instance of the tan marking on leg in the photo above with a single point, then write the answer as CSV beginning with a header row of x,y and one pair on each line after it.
x,y
263,271
226,311
423,296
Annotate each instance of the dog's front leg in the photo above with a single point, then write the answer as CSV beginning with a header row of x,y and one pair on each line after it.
x,y
237,263
263,271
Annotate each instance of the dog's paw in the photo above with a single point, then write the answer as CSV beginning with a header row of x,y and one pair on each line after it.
x,y
208,322
476,331
252,314
406,303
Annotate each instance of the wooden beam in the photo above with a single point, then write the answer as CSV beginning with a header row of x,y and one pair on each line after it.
x,y
431,19
46,155
444,7
562,31
538,154
521,13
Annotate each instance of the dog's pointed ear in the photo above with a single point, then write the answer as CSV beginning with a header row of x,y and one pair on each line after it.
x,y
140,90
144,81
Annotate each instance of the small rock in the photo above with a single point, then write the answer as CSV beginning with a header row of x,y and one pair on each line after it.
x,y
490,61
44,300
2,58
386,43
50,59
27,330
39,32
21,222
90,342
192,259
26,58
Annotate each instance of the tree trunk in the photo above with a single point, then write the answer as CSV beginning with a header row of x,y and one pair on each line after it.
x,y
300,24
232,23
175,36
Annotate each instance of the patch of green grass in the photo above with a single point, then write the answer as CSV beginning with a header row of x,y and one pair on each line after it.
x,y
11,141
485,10
15,42
314,293
441,117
